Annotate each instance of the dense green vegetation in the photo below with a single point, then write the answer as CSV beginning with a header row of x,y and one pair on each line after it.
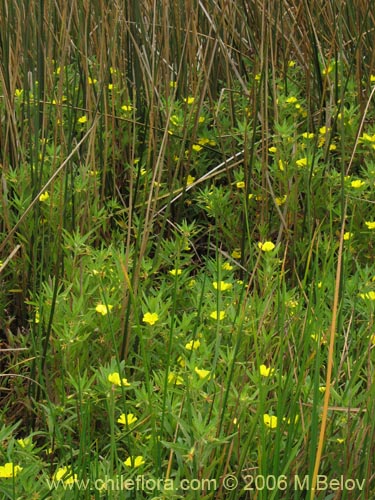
x,y
187,250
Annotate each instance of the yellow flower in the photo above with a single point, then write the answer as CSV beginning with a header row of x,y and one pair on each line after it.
x,y
332,147
203,141
357,184
292,303
266,372
175,272
44,196
228,267
372,338
115,379
368,137
110,86
18,92
272,149
291,100
240,184
340,440
291,64
91,81
322,389
175,379
192,345
189,100
196,147
347,236
257,77
190,180
134,461
301,162
323,130
222,286
327,70
82,119
372,78
172,84
308,135
214,315
369,295
24,443
9,470
281,166
267,246
236,254
280,200
65,471
370,224
127,108
202,373
127,419
103,309
181,362
202,119
150,318
175,120
270,421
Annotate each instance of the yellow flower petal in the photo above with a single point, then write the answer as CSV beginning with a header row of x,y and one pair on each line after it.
x,y
267,246
357,184
103,309
24,443
127,108
190,180
270,421
222,286
175,272
202,373
9,470
192,345
127,419
266,372
44,196
134,461
176,379
228,267
302,162
214,315
115,379
150,318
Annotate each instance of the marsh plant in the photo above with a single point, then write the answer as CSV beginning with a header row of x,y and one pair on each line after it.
x,y
187,231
